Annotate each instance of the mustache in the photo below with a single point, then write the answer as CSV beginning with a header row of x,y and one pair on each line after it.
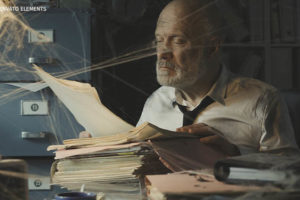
x,y
163,63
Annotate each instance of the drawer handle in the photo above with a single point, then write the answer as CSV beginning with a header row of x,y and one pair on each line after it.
x,y
35,60
30,135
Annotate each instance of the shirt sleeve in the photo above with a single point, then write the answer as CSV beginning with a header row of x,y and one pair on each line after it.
x,y
145,114
277,130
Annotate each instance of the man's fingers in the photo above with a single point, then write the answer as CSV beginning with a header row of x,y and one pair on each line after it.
x,y
195,129
210,136
190,127
85,134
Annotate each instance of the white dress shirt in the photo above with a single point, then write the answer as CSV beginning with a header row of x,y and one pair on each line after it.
x,y
247,112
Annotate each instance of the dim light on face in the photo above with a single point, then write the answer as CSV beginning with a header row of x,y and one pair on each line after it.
x,y
179,57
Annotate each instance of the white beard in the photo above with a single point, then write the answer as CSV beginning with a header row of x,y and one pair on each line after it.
x,y
181,79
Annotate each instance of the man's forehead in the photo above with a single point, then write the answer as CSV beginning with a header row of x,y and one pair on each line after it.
x,y
172,14
171,22
166,29
167,23
179,18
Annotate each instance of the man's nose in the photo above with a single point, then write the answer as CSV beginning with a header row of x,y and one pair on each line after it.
x,y
164,53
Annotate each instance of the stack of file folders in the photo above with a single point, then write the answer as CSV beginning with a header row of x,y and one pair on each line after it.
x,y
114,170
115,164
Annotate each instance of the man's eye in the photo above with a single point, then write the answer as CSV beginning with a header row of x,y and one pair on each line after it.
x,y
179,41
158,41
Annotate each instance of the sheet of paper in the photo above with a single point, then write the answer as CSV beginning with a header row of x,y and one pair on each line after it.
x,y
143,132
183,183
60,154
83,102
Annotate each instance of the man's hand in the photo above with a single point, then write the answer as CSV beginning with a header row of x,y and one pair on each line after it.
x,y
85,134
211,137
199,129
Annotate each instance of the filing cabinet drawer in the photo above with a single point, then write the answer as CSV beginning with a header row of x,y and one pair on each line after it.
x,y
59,41
31,121
39,181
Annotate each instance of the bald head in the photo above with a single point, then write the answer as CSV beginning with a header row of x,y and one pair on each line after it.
x,y
182,8
198,18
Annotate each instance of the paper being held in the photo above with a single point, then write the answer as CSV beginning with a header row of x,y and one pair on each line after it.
x,y
83,102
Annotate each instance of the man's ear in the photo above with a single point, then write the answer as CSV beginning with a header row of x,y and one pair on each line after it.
x,y
152,43
213,46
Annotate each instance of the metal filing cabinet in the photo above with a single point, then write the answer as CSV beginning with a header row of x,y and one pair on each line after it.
x,y
31,121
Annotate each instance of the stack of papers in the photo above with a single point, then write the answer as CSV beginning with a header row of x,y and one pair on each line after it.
x,y
141,133
112,175
113,165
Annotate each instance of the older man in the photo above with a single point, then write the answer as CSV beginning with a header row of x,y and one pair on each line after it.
x,y
199,96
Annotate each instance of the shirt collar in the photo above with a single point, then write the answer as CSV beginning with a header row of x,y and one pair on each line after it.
x,y
217,92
